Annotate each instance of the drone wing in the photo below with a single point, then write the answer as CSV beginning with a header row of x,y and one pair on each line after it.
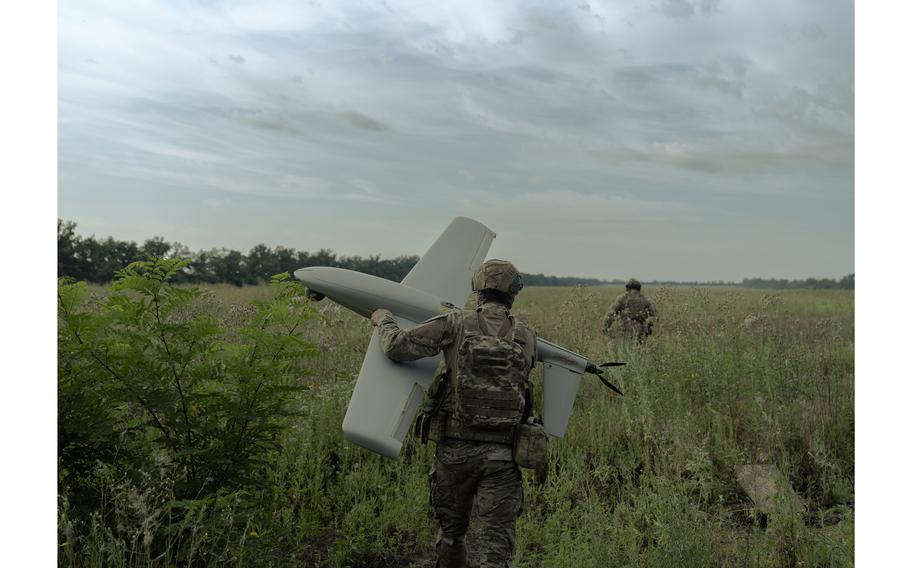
x,y
562,371
386,398
388,394
448,266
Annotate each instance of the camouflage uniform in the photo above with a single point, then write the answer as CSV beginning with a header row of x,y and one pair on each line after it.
x,y
635,312
466,473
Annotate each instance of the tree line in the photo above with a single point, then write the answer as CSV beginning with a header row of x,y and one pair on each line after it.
x,y
96,260
845,283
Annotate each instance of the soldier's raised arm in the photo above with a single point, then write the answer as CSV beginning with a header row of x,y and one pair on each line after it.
x,y
424,340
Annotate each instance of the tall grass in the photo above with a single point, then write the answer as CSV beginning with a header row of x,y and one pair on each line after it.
x,y
730,377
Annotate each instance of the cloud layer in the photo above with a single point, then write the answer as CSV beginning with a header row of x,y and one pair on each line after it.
x,y
667,139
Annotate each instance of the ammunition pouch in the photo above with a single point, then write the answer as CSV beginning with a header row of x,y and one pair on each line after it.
x,y
530,448
427,424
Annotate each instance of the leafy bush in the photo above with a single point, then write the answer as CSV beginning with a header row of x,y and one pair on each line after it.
x,y
156,392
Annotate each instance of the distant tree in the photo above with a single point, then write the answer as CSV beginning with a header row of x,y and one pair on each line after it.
x,y
369,265
180,250
87,258
399,267
114,256
229,266
156,247
285,260
262,262
809,283
323,257
185,274
543,280
69,244
202,267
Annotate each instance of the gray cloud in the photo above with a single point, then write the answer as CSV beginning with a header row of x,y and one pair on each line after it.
x,y
822,110
812,31
681,9
683,118
267,121
649,76
724,76
363,122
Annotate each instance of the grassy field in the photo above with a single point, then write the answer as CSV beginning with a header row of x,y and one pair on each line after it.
x,y
730,377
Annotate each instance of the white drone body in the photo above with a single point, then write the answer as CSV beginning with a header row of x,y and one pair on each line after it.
x,y
388,394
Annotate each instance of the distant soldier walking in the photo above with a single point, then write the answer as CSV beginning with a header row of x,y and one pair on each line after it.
x,y
634,311
478,414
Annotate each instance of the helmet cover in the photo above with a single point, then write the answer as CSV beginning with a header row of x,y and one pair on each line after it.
x,y
498,275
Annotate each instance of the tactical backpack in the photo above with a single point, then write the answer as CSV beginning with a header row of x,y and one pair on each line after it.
x,y
490,379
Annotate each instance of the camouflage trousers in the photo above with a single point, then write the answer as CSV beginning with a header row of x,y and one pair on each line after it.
x,y
493,488
641,330
635,329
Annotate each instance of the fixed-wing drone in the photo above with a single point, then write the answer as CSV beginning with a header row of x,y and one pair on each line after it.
x,y
388,394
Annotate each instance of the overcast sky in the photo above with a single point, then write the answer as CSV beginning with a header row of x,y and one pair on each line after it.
x,y
663,139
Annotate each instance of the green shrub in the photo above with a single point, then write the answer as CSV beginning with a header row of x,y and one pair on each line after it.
x,y
160,399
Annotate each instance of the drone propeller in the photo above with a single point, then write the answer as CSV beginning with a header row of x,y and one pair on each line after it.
x,y
598,370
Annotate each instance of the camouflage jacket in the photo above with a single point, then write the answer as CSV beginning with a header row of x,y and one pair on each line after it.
x,y
445,333
631,306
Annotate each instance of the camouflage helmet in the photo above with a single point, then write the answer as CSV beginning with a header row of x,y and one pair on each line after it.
x,y
633,284
498,275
